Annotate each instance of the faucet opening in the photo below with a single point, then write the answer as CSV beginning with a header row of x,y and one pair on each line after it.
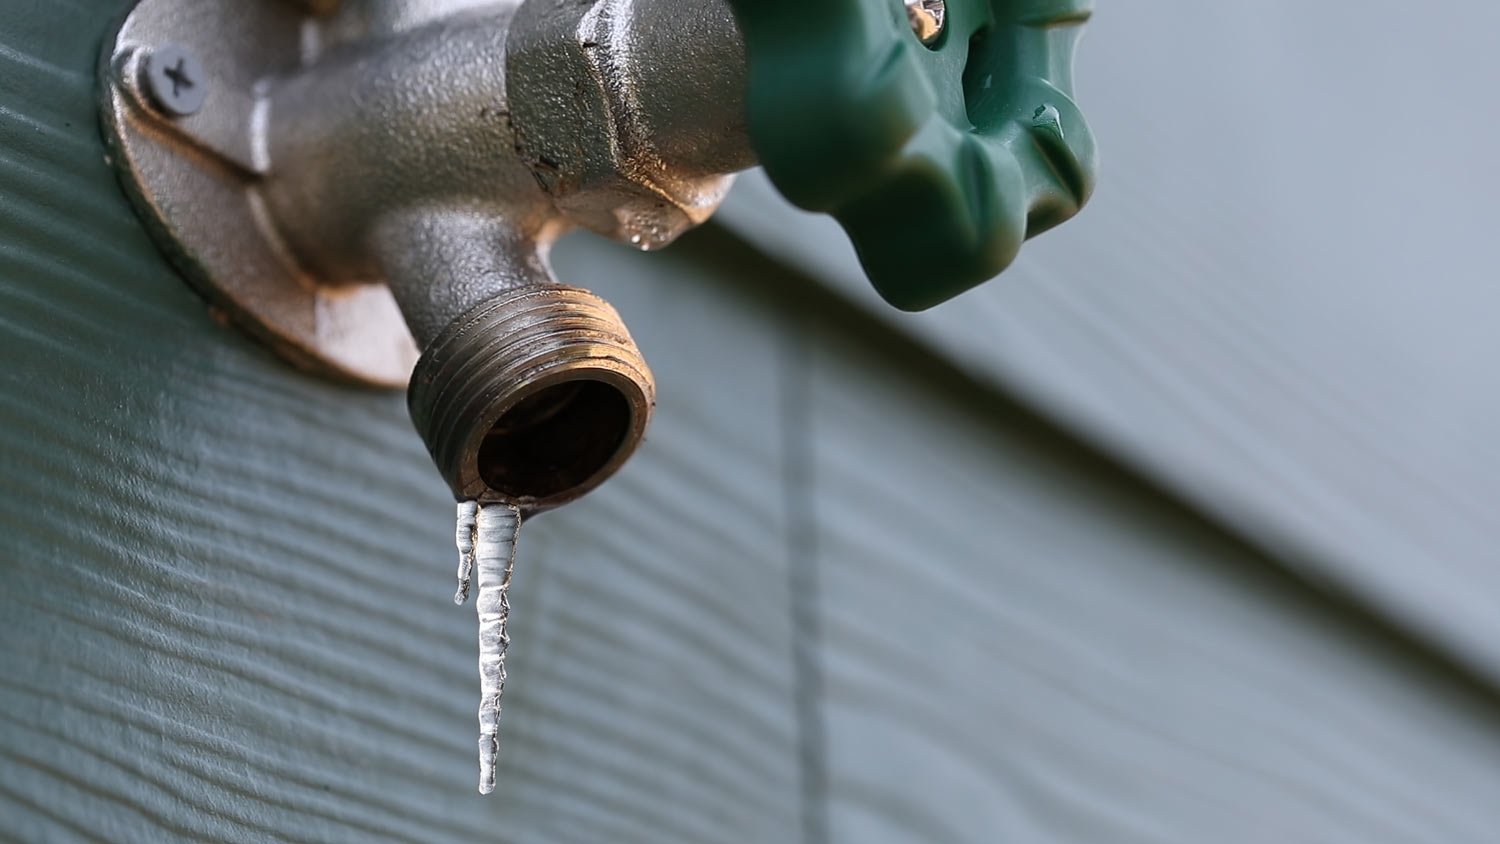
x,y
555,440
532,398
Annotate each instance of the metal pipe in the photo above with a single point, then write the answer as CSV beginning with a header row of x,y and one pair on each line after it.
x,y
533,398
445,156
631,113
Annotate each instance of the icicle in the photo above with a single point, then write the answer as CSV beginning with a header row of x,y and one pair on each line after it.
x,y
468,515
495,557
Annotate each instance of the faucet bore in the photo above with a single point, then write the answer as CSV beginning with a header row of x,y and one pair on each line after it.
x,y
533,398
554,440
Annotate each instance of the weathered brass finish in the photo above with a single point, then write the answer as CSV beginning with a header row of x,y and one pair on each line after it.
x,y
560,401
362,181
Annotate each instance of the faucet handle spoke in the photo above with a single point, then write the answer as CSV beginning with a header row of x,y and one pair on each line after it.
x,y
940,133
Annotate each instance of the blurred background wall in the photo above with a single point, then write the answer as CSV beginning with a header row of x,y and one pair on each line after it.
x,y
1182,531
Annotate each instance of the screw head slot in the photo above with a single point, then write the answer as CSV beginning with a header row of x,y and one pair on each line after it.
x,y
175,80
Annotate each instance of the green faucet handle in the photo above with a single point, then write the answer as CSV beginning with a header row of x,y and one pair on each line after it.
x,y
940,133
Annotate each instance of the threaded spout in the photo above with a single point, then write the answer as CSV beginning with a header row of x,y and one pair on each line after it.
x,y
532,398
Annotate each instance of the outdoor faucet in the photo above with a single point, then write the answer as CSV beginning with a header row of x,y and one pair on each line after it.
x,y
446,157
327,171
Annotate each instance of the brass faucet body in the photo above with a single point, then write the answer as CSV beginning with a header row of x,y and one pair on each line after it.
x,y
438,149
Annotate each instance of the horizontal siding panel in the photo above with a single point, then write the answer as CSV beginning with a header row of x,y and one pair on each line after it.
x,y
1021,645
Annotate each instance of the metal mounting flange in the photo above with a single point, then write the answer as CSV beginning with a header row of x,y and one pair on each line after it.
x,y
183,87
